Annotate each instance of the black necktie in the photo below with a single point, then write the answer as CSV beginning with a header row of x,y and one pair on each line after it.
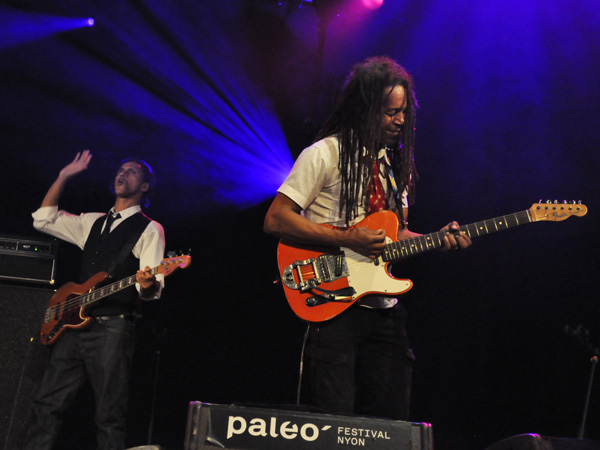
x,y
110,218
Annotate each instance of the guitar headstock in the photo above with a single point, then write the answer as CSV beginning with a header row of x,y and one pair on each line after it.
x,y
557,211
169,265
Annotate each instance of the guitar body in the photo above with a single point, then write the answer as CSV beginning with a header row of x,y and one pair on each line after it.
x,y
63,313
315,298
320,283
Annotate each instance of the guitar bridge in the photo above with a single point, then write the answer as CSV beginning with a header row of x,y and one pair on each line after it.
x,y
305,275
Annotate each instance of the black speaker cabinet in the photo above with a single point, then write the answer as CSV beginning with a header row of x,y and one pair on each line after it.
x,y
22,358
532,441
27,260
237,427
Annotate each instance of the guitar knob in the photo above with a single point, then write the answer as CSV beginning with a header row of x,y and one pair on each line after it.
x,y
312,301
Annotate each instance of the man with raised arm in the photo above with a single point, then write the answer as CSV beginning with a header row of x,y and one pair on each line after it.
x,y
123,242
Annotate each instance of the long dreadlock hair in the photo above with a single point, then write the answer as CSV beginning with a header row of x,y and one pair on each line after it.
x,y
356,120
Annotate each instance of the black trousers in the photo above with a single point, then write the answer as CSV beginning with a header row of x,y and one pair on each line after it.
x,y
103,353
361,363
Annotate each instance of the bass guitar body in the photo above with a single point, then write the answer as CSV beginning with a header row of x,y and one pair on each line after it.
x,y
64,312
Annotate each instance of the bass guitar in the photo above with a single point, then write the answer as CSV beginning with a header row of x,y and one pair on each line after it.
x,y
322,282
67,307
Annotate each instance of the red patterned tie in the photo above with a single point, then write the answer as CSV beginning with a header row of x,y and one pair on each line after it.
x,y
378,199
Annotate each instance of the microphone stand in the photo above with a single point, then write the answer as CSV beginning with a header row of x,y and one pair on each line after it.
x,y
581,433
582,335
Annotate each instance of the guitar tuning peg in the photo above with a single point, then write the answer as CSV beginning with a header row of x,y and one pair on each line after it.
x,y
548,202
540,201
171,254
555,201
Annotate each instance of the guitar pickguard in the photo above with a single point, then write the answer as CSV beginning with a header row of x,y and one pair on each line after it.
x,y
322,282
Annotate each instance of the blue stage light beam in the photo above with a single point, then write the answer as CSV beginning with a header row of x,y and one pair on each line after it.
x,y
214,125
19,27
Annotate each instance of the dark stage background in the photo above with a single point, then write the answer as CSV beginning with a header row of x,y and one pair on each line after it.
x,y
220,97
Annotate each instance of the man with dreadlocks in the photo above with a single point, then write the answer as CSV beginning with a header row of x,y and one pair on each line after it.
x,y
360,361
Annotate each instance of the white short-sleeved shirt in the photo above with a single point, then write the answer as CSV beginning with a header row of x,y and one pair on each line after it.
x,y
314,183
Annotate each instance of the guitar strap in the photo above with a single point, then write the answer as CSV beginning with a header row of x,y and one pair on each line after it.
x,y
389,174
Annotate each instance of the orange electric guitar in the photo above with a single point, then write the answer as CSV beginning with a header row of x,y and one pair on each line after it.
x,y
322,282
67,307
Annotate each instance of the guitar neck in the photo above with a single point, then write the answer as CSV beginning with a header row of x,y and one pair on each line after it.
x,y
399,250
105,291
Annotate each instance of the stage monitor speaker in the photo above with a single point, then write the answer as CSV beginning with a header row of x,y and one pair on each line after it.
x,y
532,441
146,447
27,260
241,427
22,358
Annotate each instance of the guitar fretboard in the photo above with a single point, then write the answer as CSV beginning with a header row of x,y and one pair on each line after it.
x,y
410,247
109,289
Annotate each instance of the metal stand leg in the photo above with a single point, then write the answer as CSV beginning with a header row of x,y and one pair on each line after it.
x,y
581,433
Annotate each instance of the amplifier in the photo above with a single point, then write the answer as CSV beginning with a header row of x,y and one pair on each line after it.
x,y
27,260
240,427
532,441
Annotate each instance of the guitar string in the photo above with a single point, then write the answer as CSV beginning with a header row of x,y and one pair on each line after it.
x,y
408,246
475,226
472,228
75,301
103,290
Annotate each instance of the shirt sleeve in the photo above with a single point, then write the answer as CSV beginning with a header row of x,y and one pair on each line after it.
x,y
308,176
63,225
150,250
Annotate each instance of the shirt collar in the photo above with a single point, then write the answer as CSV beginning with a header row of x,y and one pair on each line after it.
x,y
383,154
127,212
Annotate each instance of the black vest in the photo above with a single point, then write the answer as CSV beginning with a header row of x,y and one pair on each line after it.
x,y
99,255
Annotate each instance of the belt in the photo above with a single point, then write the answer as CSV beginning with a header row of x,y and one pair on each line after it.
x,y
119,316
